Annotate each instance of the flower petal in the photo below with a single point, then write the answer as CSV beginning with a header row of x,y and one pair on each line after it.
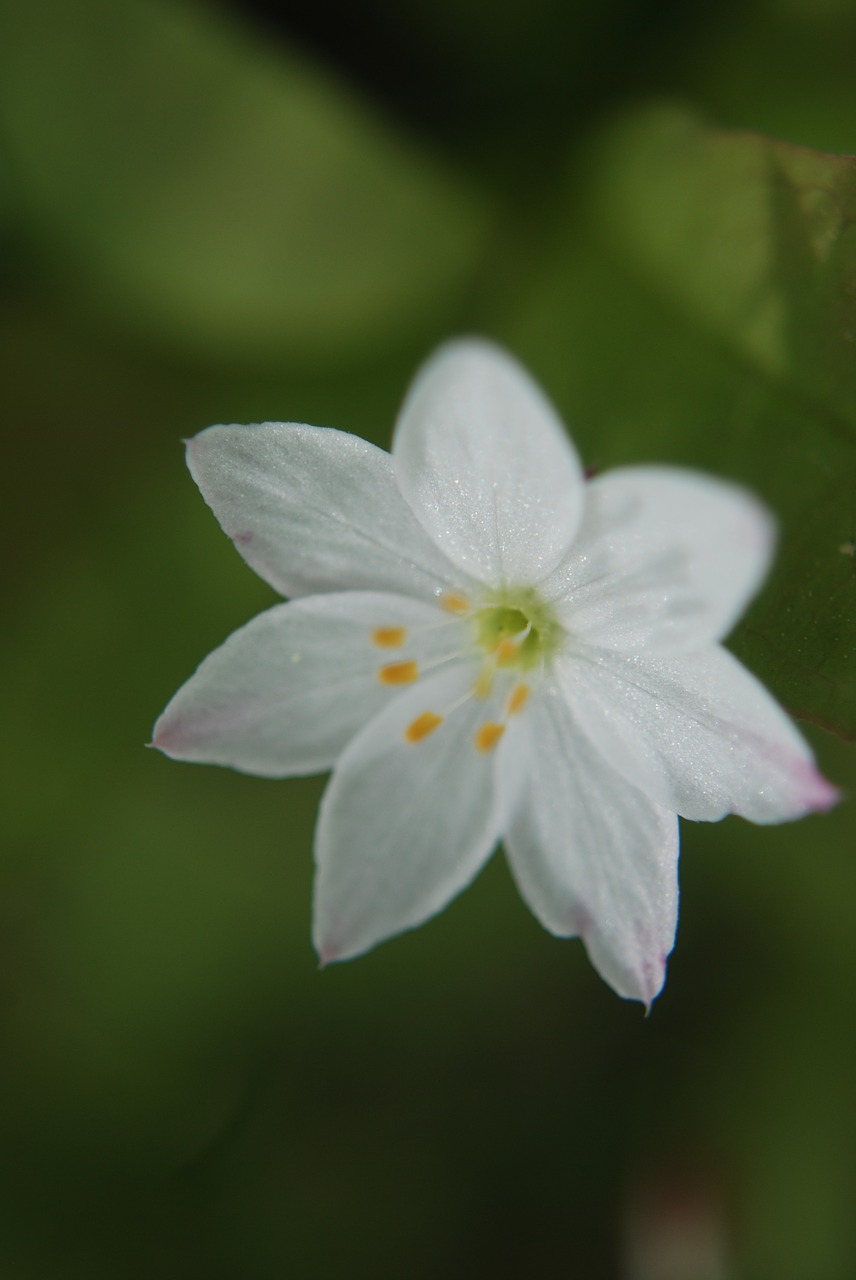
x,y
404,826
696,732
593,857
315,510
287,692
665,559
487,466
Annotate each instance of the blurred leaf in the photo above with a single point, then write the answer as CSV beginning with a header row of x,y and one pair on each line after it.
x,y
751,238
217,196
701,309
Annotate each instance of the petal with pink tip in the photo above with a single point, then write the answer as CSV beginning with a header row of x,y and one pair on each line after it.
x,y
593,857
286,693
696,732
406,825
316,510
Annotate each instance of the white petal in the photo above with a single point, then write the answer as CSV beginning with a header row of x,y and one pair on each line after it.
x,y
664,559
487,466
403,826
593,857
313,510
287,692
696,732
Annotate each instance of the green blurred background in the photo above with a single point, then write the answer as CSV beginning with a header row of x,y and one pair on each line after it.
x,y
213,213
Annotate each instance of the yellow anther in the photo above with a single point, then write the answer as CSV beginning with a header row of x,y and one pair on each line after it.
x,y
454,602
518,698
483,686
506,652
489,735
389,637
422,726
398,673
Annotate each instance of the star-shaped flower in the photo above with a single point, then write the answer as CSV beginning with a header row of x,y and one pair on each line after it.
x,y
485,647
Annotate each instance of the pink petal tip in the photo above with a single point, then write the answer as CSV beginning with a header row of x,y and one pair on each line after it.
x,y
327,954
817,794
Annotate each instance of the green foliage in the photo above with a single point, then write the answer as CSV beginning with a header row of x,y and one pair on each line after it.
x,y
234,203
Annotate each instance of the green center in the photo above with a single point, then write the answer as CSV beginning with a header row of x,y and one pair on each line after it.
x,y
519,616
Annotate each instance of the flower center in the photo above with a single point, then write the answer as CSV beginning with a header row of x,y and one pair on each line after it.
x,y
516,633
516,629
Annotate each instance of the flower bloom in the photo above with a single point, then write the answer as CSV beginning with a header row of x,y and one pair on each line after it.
x,y
485,647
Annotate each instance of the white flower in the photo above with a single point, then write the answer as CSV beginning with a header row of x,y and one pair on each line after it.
x,y
484,647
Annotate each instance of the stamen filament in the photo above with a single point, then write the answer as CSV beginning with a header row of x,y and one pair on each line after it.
x,y
447,657
483,687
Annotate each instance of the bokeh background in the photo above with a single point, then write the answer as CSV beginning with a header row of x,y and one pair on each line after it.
x,y
228,213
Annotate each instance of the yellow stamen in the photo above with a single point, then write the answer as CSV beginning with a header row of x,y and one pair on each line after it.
x,y
506,652
389,637
489,735
422,726
484,684
454,602
518,699
398,673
